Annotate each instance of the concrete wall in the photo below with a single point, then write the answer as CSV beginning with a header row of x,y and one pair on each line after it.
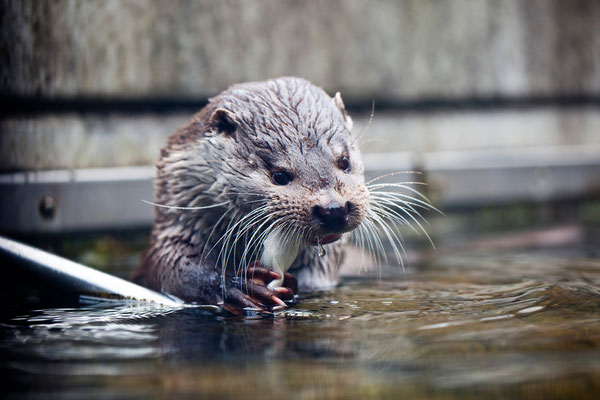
x,y
385,49
97,141
398,53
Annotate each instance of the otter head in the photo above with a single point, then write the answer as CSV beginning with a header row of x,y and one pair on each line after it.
x,y
286,158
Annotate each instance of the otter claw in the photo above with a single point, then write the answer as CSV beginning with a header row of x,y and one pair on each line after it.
x,y
284,293
250,291
278,301
256,272
236,302
264,276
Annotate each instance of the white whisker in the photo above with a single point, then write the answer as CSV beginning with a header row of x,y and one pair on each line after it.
x,y
393,174
185,208
366,127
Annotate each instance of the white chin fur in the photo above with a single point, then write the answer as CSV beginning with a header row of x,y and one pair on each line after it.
x,y
315,280
278,254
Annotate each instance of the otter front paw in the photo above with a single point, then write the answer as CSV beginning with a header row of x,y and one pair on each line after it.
x,y
251,291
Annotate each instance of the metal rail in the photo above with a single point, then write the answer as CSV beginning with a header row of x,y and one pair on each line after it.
x,y
111,198
27,261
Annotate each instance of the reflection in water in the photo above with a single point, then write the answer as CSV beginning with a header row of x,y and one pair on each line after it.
x,y
467,326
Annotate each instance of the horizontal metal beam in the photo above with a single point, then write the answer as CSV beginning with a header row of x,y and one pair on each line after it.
x,y
64,201
499,176
111,198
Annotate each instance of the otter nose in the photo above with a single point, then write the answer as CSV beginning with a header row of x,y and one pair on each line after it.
x,y
334,216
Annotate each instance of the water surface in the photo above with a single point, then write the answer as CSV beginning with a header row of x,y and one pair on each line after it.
x,y
468,325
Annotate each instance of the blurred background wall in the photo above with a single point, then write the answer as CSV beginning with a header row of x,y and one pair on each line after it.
x,y
490,98
393,50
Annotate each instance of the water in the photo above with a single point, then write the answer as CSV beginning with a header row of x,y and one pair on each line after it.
x,y
466,325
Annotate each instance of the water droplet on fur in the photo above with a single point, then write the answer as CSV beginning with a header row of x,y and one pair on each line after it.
x,y
320,250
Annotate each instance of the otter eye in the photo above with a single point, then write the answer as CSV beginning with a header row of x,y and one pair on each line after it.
x,y
344,163
281,178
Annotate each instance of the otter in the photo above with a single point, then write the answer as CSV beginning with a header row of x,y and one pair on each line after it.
x,y
254,198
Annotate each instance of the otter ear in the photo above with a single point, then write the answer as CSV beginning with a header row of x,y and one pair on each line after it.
x,y
224,121
339,103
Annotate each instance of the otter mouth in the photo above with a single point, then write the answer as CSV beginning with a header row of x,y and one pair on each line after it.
x,y
326,239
